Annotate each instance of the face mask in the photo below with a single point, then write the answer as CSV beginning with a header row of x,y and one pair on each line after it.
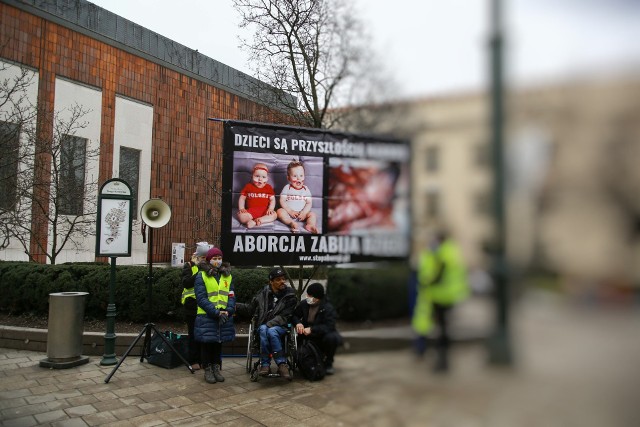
x,y
311,300
216,262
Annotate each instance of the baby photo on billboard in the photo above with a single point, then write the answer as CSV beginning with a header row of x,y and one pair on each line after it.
x,y
276,193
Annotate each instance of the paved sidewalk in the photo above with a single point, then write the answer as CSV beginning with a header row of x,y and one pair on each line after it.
x,y
575,367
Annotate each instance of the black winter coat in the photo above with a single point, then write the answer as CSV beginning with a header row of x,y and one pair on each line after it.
x,y
281,313
324,322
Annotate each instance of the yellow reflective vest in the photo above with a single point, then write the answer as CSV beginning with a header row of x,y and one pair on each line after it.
x,y
189,292
217,293
451,288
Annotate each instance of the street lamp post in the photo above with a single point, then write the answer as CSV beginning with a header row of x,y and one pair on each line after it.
x,y
499,342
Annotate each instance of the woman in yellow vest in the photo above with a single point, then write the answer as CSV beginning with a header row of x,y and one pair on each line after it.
x,y
189,271
442,282
216,305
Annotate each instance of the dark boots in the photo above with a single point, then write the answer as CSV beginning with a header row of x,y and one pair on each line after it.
x,y
209,375
212,374
216,373
441,365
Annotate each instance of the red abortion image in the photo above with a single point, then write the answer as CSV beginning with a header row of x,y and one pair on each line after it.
x,y
363,195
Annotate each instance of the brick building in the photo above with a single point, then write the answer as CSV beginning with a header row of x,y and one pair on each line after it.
x,y
148,100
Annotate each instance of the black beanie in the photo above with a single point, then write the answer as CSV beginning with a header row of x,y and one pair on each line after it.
x,y
316,290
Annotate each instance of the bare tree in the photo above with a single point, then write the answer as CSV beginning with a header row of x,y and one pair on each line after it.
x,y
16,114
48,181
207,227
314,54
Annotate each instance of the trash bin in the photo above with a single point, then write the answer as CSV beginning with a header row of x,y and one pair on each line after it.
x,y
66,325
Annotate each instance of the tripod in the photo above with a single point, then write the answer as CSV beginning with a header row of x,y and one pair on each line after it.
x,y
148,327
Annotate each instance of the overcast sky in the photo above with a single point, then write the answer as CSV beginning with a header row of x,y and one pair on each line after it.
x,y
435,47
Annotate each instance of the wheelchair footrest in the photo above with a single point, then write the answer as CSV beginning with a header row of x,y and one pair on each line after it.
x,y
273,375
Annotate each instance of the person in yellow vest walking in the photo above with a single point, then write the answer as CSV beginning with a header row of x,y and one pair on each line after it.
x,y
216,306
189,271
442,283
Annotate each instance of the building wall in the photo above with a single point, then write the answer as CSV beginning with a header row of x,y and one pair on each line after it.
x,y
571,190
456,129
144,102
587,209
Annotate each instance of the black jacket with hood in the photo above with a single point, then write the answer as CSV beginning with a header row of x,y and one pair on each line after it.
x,y
324,322
279,315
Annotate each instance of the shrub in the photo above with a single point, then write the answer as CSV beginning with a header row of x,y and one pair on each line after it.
x,y
371,294
248,281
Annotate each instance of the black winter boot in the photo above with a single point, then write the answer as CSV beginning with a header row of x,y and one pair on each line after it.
x,y
216,373
209,375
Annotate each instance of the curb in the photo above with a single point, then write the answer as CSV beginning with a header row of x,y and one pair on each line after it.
x,y
384,339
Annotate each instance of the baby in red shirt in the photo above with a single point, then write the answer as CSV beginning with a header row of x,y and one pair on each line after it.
x,y
257,199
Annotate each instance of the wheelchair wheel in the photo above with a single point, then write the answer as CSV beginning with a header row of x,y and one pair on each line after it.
x,y
255,372
250,345
292,349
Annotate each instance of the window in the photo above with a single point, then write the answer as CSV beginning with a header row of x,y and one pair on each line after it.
x,y
433,154
130,172
9,147
432,208
483,204
482,155
70,189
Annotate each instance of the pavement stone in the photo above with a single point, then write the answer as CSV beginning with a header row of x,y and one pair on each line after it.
x,y
575,365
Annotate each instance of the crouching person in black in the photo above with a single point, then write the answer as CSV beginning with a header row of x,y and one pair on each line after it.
x,y
315,319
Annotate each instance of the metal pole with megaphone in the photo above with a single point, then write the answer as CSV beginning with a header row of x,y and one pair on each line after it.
x,y
155,213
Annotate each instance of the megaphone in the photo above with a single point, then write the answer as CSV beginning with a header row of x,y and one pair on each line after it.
x,y
155,213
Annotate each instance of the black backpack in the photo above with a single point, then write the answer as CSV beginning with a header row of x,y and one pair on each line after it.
x,y
310,361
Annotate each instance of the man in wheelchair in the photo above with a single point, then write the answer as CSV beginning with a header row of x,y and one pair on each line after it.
x,y
272,307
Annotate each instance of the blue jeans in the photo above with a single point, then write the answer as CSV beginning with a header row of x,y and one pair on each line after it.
x,y
271,344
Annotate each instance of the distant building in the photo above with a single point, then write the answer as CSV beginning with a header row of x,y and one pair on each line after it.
x,y
149,100
571,184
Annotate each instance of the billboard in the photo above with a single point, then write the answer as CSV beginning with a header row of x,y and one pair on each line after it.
x,y
302,196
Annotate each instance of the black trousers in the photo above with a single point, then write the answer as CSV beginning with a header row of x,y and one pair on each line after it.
x,y
211,353
194,346
442,315
328,344
190,310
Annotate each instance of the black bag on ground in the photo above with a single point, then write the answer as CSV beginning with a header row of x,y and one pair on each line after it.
x,y
161,354
310,361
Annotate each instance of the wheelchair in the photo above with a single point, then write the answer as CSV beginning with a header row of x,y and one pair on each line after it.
x,y
290,346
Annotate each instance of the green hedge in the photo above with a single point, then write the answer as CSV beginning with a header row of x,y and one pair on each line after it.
x,y
25,287
370,294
